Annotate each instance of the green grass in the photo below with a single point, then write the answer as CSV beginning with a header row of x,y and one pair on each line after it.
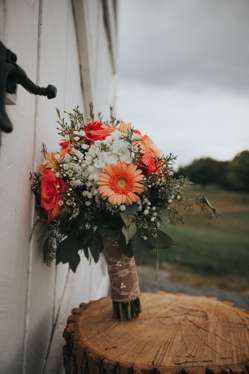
x,y
218,247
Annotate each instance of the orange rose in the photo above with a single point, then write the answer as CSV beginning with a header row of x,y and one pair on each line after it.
x,y
148,163
52,188
147,145
96,131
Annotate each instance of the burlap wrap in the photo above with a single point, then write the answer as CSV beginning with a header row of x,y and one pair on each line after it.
x,y
122,272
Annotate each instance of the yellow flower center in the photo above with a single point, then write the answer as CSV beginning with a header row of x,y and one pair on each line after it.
x,y
122,183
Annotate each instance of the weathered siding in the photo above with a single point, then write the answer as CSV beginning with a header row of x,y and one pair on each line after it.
x,y
35,299
16,156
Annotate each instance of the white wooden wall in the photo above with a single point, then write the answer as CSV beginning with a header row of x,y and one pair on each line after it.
x,y
35,299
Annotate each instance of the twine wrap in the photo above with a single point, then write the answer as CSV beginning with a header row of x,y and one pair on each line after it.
x,y
122,272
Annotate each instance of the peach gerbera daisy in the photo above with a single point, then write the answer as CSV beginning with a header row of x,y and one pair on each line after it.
x,y
120,183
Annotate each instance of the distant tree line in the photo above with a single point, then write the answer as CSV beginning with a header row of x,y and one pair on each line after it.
x,y
232,175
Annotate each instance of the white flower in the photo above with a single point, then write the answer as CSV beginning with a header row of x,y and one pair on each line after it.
x,y
110,158
78,154
76,183
122,208
84,146
70,173
99,163
94,191
115,135
67,158
125,158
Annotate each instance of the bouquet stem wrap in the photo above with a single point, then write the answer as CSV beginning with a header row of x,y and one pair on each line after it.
x,y
123,280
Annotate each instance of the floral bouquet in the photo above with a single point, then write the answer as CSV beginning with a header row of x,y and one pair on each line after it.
x,y
108,189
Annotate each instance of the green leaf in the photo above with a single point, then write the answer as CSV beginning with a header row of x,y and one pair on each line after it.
x,y
58,113
129,231
67,252
132,209
86,239
127,249
96,246
86,253
74,262
127,219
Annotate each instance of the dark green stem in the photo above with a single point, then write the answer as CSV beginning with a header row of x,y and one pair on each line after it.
x,y
126,311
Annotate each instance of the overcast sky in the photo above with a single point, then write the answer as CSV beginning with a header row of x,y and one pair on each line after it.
x,y
184,74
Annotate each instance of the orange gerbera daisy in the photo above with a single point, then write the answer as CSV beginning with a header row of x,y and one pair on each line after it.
x,y
120,183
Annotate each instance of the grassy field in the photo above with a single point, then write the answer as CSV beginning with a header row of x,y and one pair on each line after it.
x,y
215,248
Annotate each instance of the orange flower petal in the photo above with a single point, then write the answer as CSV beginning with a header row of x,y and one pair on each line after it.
x,y
120,183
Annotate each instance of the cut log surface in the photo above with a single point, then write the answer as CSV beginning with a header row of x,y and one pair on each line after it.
x,y
175,333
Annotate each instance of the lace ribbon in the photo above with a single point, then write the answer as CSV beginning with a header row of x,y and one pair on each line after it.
x,y
122,272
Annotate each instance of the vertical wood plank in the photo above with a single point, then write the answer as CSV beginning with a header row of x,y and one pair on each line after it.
x,y
52,68
16,153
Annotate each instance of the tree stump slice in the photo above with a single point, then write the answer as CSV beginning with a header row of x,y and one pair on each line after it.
x,y
175,333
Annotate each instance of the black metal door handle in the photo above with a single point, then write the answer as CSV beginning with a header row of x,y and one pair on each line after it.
x,y
11,75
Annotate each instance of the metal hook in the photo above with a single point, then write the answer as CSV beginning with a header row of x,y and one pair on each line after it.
x,y
11,74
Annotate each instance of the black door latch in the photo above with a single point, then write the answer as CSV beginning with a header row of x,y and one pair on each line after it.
x,y
11,74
